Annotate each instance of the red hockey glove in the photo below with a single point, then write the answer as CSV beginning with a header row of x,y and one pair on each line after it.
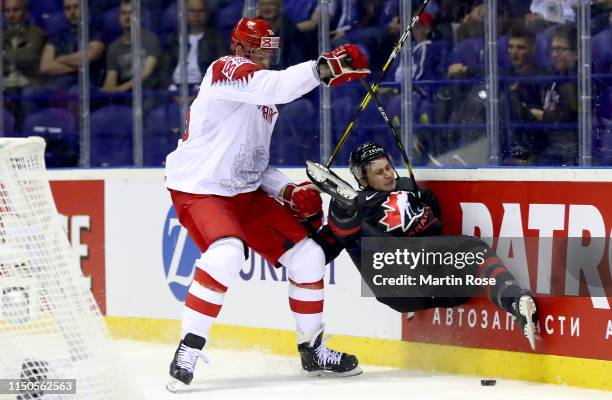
x,y
303,199
344,64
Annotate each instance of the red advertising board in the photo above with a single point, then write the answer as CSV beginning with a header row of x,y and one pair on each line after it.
x,y
82,205
574,321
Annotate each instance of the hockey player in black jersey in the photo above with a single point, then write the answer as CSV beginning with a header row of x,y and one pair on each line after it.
x,y
354,215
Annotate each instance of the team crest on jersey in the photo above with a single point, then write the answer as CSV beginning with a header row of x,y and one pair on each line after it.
x,y
233,68
401,211
249,164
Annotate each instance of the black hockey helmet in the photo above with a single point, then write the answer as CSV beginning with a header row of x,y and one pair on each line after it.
x,y
363,155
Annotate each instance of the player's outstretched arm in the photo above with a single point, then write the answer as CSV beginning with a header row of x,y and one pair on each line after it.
x,y
238,79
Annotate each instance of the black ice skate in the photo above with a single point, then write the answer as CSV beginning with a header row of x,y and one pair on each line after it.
x,y
331,184
525,311
318,360
185,358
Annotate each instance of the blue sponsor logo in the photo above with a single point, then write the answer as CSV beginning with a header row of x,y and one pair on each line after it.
x,y
179,254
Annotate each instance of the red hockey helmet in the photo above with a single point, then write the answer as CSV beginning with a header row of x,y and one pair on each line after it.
x,y
254,34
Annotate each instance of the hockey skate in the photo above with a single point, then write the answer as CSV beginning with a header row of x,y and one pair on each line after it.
x,y
525,311
184,361
332,184
318,359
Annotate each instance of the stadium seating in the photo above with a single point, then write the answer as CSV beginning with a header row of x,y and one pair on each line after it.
x,y
503,59
543,39
602,52
54,22
225,18
59,128
162,131
602,140
469,52
442,49
294,139
299,10
9,123
169,20
295,135
39,10
111,136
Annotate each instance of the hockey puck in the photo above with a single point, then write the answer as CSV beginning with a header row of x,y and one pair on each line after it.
x,y
488,382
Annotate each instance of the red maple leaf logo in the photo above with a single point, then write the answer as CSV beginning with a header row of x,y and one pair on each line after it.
x,y
393,217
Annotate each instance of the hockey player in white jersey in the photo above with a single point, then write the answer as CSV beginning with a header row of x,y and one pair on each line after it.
x,y
223,191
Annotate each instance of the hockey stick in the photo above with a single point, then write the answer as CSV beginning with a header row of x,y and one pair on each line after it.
x,y
374,86
398,140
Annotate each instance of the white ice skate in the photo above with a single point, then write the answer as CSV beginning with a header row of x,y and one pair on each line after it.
x,y
331,183
528,310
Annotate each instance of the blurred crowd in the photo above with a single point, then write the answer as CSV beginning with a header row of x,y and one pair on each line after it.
x,y
537,60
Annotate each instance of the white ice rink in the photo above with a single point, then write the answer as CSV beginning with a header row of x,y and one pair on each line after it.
x,y
252,376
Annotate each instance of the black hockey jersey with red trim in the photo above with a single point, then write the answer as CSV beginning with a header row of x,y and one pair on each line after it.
x,y
399,213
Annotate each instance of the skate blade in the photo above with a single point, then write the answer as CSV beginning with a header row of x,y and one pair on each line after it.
x,y
329,374
174,385
316,171
527,308
320,174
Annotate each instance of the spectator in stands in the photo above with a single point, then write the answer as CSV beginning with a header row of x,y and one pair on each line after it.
x,y
423,67
357,22
455,11
524,144
206,44
601,16
464,104
21,49
560,99
473,23
389,20
61,57
119,56
291,46
423,62
23,43
303,13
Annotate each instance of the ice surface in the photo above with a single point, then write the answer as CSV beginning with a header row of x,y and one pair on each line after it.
x,y
255,375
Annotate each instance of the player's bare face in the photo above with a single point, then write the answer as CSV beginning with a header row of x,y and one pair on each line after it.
x,y
262,57
380,175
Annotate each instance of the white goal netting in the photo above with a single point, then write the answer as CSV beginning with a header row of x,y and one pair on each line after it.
x,y
50,325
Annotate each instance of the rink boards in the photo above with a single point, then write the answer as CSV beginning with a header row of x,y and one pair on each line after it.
x,y
140,262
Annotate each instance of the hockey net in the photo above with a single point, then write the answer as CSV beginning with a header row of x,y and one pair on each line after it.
x,y
50,325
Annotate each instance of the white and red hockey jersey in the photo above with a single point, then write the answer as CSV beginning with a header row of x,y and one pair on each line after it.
x,y
226,146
